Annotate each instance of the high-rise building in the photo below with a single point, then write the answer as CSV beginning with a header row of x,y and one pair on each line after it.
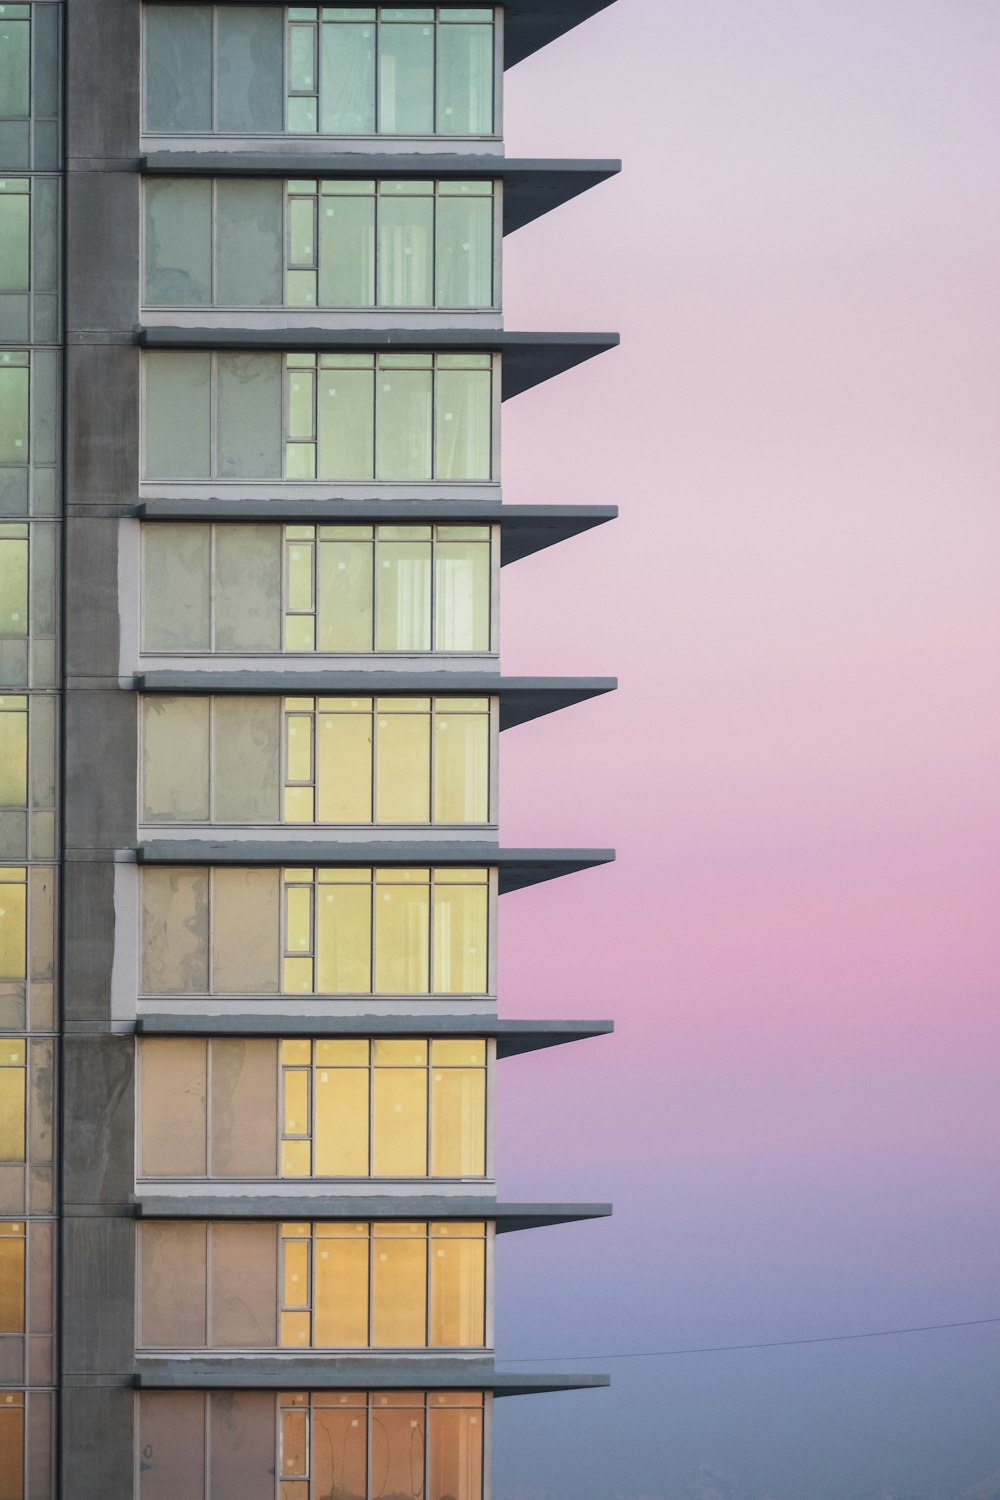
x,y
252,360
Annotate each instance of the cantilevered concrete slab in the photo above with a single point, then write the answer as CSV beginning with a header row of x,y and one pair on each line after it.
x,y
528,358
528,24
524,529
256,1205
349,1373
512,1037
521,698
530,188
517,867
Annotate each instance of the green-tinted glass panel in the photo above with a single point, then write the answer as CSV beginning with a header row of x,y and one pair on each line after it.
x,y
178,68
403,424
464,261
13,415
178,415
406,79
249,421
345,406
406,252
15,62
347,252
178,242
462,596
403,596
13,587
347,73
462,424
302,59
14,212
344,606
248,243
465,80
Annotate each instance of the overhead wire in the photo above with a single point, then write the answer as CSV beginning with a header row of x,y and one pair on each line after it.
x,y
830,1338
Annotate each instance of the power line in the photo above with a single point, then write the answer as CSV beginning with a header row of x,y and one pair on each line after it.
x,y
832,1338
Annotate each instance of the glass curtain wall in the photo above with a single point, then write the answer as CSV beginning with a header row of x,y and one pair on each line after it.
x,y
30,504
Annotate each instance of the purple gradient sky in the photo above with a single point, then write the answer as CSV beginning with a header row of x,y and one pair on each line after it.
x,y
799,1117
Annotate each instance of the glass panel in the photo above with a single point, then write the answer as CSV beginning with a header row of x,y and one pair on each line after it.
x,y
400,1122
179,68
461,767
397,1445
458,1122
403,768
399,1293
347,73
178,415
174,931
464,260
402,583
460,940
12,1248
250,88
340,1454
340,1297
13,587
302,58
344,767
249,426
176,587
462,424
178,242
403,429
455,1454
465,80
340,1122
13,414
247,588
401,939
347,252
12,924
346,420
458,1269
11,1404
13,1081
248,241
172,1099
344,604
14,207
175,739
406,252
406,79
343,939
294,1442
462,596
247,761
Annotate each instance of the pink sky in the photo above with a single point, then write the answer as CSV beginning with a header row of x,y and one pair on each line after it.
x,y
798,1118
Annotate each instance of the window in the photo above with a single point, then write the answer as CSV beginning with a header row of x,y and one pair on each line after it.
x,y
346,417
14,224
29,406
27,605
340,761
27,776
311,244
312,1285
15,61
26,1298
227,1107
334,589
356,1444
27,1080
27,941
390,1108
264,931
330,70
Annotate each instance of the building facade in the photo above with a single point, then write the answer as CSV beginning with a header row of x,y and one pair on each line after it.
x,y
252,362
